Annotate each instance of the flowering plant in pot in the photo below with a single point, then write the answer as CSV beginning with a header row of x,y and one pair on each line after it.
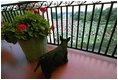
x,y
30,30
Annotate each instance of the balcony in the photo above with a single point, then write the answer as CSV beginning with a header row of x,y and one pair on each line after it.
x,y
81,65
92,51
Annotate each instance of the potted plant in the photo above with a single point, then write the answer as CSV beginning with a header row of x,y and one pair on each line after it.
x,y
30,30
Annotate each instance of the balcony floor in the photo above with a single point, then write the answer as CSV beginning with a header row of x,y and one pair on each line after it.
x,y
81,65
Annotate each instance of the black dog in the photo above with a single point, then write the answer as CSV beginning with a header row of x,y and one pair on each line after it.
x,y
54,58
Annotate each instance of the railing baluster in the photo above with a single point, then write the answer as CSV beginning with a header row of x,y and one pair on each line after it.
x,y
4,17
38,12
14,13
90,26
72,27
57,26
114,50
84,26
61,23
7,16
97,27
66,21
11,12
17,12
39,9
49,23
24,8
41,6
52,24
105,27
111,37
20,10
78,25
12,16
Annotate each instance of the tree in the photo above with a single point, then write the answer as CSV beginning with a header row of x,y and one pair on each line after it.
x,y
104,15
54,15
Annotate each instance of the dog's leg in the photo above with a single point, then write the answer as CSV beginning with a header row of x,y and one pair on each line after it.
x,y
37,66
65,57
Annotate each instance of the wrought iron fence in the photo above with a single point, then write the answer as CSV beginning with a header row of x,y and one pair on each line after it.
x,y
91,26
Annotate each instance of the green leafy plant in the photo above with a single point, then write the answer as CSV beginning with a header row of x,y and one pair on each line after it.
x,y
27,26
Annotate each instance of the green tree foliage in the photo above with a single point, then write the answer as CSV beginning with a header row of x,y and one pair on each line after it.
x,y
54,15
108,32
96,14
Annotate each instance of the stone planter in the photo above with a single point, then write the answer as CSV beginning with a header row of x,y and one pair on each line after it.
x,y
34,48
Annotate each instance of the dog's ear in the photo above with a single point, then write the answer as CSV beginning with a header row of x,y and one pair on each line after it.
x,y
61,38
68,39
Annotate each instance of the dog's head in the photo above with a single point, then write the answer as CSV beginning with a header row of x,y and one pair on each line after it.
x,y
64,41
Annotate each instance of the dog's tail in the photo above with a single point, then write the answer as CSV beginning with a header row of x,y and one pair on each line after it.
x,y
37,66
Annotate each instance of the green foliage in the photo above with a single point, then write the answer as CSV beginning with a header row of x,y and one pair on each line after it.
x,y
96,15
7,31
54,15
76,15
36,26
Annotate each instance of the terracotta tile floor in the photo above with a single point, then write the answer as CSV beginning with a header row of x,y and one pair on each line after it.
x,y
81,65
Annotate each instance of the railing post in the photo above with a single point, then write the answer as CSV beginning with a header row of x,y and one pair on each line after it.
x,y
57,26
61,23
72,27
52,25
78,25
66,21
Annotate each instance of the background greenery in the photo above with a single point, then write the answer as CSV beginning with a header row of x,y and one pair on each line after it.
x,y
102,24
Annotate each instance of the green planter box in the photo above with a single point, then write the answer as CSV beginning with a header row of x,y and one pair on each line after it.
x,y
34,48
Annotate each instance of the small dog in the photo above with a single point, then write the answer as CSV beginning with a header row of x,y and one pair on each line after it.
x,y
54,58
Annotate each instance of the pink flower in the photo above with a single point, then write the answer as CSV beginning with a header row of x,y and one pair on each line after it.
x,y
22,27
2,22
36,12
33,10
52,27
43,9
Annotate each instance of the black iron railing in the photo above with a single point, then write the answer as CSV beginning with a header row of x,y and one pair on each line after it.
x,y
91,26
